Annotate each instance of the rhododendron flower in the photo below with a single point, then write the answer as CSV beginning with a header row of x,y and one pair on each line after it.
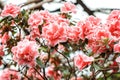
x,y
117,48
54,33
68,7
35,19
25,52
73,33
8,74
10,10
81,61
50,72
113,23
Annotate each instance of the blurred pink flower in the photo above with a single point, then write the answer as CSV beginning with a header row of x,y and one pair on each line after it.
x,y
50,72
35,19
81,61
5,38
117,48
8,74
68,7
55,33
10,10
25,52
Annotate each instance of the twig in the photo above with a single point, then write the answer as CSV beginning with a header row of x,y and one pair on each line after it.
x,y
39,4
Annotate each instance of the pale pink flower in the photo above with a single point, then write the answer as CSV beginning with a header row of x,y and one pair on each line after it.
x,y
81,61
8,74
117,47
54,33
25,52
68,7
118,59
10,10
35,19
50,72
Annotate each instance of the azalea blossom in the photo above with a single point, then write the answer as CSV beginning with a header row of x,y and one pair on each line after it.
x,y
10,10
25,52
81,61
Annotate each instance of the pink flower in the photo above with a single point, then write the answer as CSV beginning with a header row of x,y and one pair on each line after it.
x,y
73,33
50,72
81,61
10,10
8,74
25,52
32,73
78,78
117,48
35,33
113,22
54,33
5,38
35,19
68,7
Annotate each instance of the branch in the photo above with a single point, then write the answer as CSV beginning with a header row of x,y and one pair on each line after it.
x,y
90,12
39,4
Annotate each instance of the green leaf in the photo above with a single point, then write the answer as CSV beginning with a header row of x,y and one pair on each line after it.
x,y
39,62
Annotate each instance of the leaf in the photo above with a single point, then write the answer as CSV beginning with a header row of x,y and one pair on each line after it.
x,y
39,62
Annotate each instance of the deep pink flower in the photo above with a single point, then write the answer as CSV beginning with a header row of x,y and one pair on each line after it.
x,y
81,61
8,74
117,48
10,10
68,7
113,22
54,33
25,52
35,19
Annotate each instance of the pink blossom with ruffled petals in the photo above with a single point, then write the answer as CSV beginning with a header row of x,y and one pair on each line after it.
x,y
10,10
113,22
117,48
50,72
81,61
35,19
8,74
25,52
73,33
68,7
55,33
35,33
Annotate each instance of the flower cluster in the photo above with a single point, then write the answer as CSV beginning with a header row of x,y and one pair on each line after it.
x,y
48,46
